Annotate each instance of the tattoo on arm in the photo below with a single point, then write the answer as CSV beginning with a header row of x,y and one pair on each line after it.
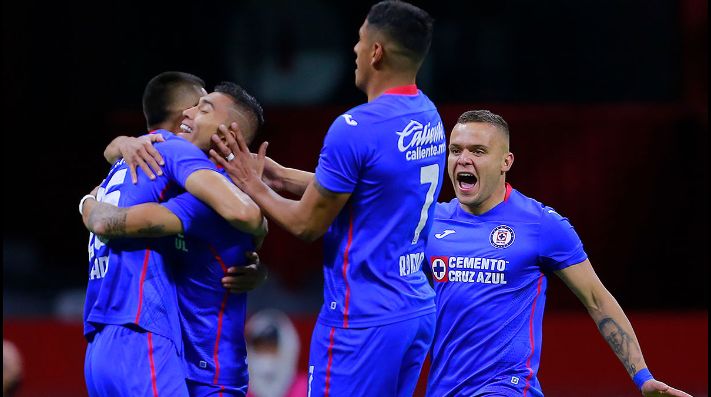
x,y
115,223
620,342
108,220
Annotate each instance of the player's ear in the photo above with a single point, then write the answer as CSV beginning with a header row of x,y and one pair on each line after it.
x,y
231,130
377,53
508,162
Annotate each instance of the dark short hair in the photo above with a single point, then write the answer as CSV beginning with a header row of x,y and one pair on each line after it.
x,y
242,98
484,116
160,93
407,25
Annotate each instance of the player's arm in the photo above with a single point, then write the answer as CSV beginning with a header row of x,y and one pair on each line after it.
x,y
142,220
307,218
136,152
226,199
614,326
285,179
155,220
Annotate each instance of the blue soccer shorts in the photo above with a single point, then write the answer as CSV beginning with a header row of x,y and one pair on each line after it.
x,y
130,362
376,361
200,389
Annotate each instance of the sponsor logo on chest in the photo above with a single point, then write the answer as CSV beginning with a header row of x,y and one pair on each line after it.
x,y
420,141
468,269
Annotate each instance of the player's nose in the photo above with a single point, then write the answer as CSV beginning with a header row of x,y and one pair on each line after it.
x,y
189,112
465,158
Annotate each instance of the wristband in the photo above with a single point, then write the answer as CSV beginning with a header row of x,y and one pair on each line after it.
x,y
81,203
642,376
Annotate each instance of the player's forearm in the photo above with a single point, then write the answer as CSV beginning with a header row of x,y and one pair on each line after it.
x,y
227,200
144,220
295,181
616,329
611,321
112,152
289,214
104,220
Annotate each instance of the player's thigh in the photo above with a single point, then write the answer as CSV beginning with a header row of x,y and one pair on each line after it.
x,y
420,333
88,376
127,362
361,361
199,389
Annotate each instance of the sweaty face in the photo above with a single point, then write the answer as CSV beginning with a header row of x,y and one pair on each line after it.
x,y
477,162
362,51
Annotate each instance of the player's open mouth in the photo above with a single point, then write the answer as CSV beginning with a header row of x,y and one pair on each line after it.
x,y
185,128
466,180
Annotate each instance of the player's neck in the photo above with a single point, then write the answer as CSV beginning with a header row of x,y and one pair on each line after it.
x,y
380,84
495,199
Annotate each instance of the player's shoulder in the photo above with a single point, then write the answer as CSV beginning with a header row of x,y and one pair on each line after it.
x,y
174,143
355,118
533,210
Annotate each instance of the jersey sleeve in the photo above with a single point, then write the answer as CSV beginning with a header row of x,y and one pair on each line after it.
x,y
560,246
182,158
195,215
342,155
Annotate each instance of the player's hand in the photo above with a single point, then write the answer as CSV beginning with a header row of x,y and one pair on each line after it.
x,y
139,152
243,168
655,388
240,279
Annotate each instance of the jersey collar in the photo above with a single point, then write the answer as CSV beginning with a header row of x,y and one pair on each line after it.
x,y
402,90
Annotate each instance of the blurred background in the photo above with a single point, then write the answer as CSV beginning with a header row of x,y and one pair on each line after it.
x,y
606,101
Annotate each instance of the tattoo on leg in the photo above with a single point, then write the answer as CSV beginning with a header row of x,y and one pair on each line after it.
x,y
620,341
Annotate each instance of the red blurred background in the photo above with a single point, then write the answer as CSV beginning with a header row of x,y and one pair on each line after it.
x,y
575,360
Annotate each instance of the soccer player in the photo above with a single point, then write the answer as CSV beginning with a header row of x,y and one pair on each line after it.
x,y
131,310
212,320
491,250
378,173
165,98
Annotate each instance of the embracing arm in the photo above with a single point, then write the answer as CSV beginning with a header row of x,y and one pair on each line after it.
x,y
612,323
227,200
142,220
137,152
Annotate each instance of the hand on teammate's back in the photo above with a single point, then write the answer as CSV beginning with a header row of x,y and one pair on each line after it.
x,y
139,152
239,279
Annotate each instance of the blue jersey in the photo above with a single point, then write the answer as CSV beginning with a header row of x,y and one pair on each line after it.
x,y
129,280
212,318
389,155
490,275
